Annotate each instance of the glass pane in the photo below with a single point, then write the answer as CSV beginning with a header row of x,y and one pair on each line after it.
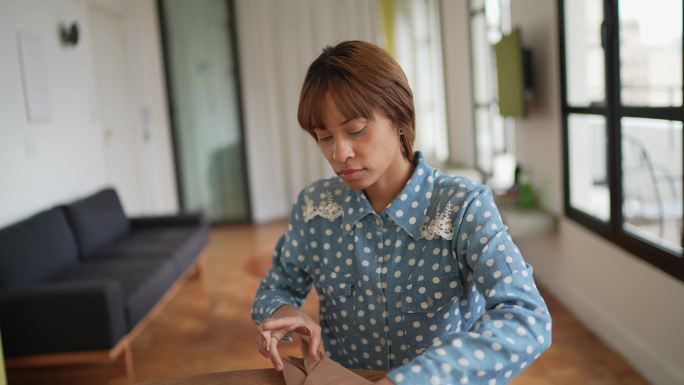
x,y
652,180
584,61
498,130
589,190
476,5
485,147
493,12
418,49
204,92
481,60
651,52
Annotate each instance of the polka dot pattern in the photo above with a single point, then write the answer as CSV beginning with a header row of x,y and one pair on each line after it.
x,y
459,307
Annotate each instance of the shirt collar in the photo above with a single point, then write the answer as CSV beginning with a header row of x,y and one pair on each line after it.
x,y
355,207
409,207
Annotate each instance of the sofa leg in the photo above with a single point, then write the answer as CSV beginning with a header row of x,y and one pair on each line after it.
x,y
126,363
196,271
199,268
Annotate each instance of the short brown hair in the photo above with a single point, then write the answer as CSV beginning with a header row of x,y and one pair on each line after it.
x,y
360,77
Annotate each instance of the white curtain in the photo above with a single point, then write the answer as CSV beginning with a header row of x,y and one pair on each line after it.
x,y
277,40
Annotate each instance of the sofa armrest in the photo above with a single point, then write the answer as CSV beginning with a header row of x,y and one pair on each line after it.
x,y
183,219
62,316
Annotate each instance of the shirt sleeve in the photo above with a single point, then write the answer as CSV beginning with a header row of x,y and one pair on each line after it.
x,y
287,281
515,327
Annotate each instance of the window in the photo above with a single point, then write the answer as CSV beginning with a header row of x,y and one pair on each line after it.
x,y
494,134
413,27
621,65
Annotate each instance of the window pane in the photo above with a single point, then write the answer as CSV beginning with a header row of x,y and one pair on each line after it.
x,y
651,52
494,135
493,12
589,190
652,180
485,147
481,60
476,5
584,62
498,130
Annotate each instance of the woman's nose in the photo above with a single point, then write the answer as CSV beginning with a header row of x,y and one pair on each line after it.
x,y
342,151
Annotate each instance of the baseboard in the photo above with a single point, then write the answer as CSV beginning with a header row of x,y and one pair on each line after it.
x,y
624,342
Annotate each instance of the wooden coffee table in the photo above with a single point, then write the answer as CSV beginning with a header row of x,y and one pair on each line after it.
x,y
248,377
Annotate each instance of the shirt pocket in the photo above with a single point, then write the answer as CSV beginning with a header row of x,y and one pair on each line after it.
x,y
428,297
340,308
424,306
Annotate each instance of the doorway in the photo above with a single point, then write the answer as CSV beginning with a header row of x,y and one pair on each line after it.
x,y
204,99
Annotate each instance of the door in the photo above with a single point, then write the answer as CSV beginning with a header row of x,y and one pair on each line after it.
x,y
204,98
123,142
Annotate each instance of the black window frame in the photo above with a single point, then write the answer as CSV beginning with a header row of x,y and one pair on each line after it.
x,y
613,112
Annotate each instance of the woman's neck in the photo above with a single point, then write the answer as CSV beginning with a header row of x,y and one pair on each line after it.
x,y
389,185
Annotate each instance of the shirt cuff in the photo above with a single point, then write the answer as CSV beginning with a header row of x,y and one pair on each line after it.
x,y
263,310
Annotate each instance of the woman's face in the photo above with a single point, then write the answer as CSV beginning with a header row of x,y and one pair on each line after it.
x,y
359,150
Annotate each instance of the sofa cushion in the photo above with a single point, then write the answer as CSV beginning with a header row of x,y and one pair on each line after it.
x,y
182,244
143,282
36,249
53,317
97,220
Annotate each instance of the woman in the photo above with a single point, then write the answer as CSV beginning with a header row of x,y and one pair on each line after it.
x,y
415,272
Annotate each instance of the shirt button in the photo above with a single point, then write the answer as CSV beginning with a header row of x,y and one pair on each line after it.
x,y
379,298
378,221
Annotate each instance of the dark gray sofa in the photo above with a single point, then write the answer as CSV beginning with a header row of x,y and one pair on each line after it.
x,y
80,277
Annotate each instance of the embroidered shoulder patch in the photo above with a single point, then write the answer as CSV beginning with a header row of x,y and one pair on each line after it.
x,y
327,208
442,225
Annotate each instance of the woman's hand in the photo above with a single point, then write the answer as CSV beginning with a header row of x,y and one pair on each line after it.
x,y
285,320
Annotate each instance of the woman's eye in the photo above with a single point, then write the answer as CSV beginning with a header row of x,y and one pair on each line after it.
x,y
359,132
324,139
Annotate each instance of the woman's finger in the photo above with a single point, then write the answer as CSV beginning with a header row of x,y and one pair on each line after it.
x,y
266,335
263,345
314,343
275,356
281,333
262,349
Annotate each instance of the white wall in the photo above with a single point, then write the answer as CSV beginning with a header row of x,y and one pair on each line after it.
x,y
53,162
41,163
277,41
632,306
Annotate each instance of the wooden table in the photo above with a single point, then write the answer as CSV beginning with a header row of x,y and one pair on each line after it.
x,y
248,377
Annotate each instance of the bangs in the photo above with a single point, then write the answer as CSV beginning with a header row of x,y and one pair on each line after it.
x,y
361,79
349,100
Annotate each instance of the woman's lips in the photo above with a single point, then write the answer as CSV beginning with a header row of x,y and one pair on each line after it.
x,y
351,174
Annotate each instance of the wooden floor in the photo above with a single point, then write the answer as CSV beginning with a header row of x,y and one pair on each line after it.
x,y
206,327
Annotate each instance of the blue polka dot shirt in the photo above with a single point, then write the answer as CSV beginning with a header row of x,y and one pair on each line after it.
x,y
432,289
